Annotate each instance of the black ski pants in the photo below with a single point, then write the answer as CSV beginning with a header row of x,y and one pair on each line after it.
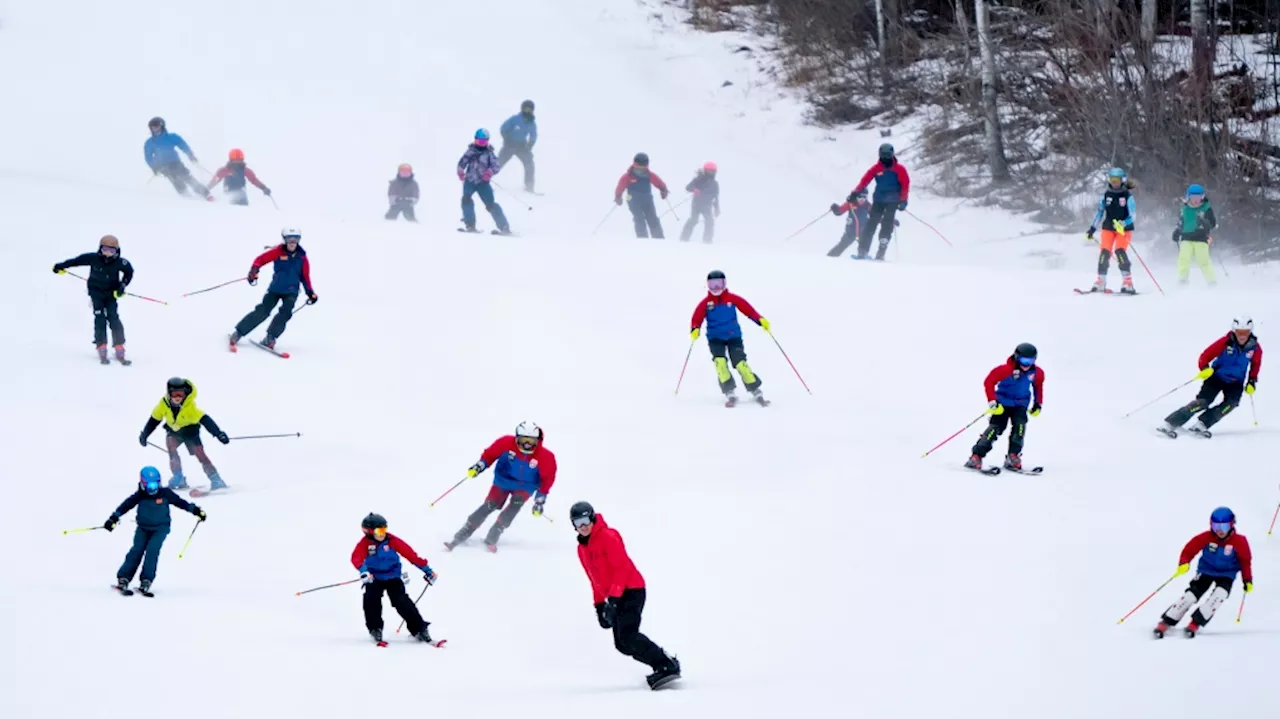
x,y
394,589
145,551
1209,391
644,213
398,208
626,631
522,151
178,174
492,503
106,313
705,213
263,311
882,214
1015,415
849,237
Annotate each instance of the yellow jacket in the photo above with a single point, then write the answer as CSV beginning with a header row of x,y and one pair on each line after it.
x,y
186,415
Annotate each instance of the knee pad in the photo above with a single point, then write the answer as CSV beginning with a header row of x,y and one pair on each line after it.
x,y
1180,608
744,369
722,369
1215,600
1122,258
491,505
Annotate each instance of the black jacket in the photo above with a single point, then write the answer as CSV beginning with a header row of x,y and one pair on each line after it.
x,y
153,509
708,190
104,272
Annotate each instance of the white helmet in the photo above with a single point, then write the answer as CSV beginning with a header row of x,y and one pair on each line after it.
x,y
529,429
288,232
1242,322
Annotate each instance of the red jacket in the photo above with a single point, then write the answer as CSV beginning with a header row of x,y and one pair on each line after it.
x,y
1224,559
604,557
892,183
382,559
224,172
639,184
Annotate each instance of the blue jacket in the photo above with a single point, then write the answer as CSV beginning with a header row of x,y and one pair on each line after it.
x,y
1012,386
521,129
153,509
517,471
288,271
382,559
1234,362
162,149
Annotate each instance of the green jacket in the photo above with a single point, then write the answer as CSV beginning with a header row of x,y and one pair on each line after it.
x,y
1197,222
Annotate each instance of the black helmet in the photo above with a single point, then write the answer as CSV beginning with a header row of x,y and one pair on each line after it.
x,y
642,158
715,275
373,521
178,383
580,510
156,122
527,104
886,151
1026,349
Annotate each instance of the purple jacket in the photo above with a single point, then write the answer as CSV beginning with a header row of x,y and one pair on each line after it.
x,y
476,161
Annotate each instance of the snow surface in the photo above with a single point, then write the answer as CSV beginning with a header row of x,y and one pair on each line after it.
x,y
800,558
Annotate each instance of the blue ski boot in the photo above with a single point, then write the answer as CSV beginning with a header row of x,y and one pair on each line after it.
x,y
178,482
215,482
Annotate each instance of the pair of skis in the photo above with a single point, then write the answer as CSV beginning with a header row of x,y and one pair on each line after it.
x,y
993,471
1173,433
127,592
732,401
1096,291
264,348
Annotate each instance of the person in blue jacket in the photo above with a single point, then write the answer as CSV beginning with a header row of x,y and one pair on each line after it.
x,y
1015,390
523,468
519,134
161,153
290,271
152,501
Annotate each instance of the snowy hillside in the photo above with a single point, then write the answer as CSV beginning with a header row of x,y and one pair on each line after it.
x,y
800,558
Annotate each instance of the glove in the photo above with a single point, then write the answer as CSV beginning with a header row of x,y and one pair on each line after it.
x,y
111,523
253,277
223,438
606,614
462,175
538,501
1035,409
852,198
1248,587
618,201
697,193
118,293
1182,569
1088,235
475,469
1205,373
662,194
695,333
366,578
994,407
58,270
902,206
1251,386
835,209
764,324
1177,235
313,298
142,439
486,175
429,574
1118,225
199,513
266,191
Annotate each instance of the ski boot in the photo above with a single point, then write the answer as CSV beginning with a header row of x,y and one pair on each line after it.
x,y
758,396
376,635
491,547
1168,430
1160,630
424,635
178,482
1191,630
269,342
1100,285
665,675
1013,461
1197,428
122,586
974,462
120,356
1126,286
215,482
102,354
145,587
730,399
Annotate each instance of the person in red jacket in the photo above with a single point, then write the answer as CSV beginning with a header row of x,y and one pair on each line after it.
x,y
1223,555
377,557
618,592
638,183
523,467
890,197
1230,367
235,172
719,309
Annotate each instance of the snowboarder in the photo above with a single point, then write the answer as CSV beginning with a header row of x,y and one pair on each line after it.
x,y
1228,367
1223,555
519,135
859,209
402,194
161,153
182,421
638,183
152,501
235,172
719,309
377,557
1010,387
1192,235
109,275
890,197
1116,211
290,270
476,168
618,593
524,468
706,203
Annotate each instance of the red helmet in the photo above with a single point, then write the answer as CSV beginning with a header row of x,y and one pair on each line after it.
x,y
709,167
405,169
236,155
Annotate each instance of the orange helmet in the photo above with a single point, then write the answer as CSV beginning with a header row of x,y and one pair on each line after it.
x,y
405,169
236,155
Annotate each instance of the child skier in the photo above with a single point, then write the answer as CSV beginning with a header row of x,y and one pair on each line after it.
x,y
182,421
706,203
1228,367
1116,211
402,194
236,173
377,557
890,197
719,309
161,153
524,467
618,592
476,168
519,135
1192,235
109,274
1223,554
1010,387
152,501
637,184
859,210
290,269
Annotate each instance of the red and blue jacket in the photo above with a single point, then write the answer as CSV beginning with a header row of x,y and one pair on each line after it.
x,y
638,182
721,315
289,270
861,212
892,183
1231,361
235,174
1220,557
518,471
1012,386
382,559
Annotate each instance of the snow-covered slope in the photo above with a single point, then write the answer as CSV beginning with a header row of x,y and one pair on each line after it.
x,y
800,558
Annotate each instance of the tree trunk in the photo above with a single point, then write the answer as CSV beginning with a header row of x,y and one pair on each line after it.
x,y
1148,24
990,87
891,49
962,27
1202,54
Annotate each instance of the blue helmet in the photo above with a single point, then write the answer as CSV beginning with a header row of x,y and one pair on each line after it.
x,y
1222,515
149,480
1115,173
482,134
1194,190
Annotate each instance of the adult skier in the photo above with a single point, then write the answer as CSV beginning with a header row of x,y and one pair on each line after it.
x,y
706,203
377,558
290,270
519,135
858,208
402,194
1116,212
1223,555
719,309
236,174
161,153
182,422
523,467
1196,221
1010,388
476,168
618,593
890,197
152,501
637,184
109,275
1229,367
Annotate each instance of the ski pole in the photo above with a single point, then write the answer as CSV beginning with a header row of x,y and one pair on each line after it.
x,y
267,436
1144,266
685,366
130,294
512,195
459,484
415,603
1149,596
816,220
671,208
210,289
1157,399
189,536
788,359
153,444
82,529
1273,521
327,586
926,224
1254,408
957,434
606,218
273,201
1241,612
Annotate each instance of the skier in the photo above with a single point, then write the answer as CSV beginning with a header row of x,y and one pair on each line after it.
x,y
859,210
1010,388
109,275
290,269
236,173
724,336
890,197
182,421
1228,367
706,203
524,467
618,592
638,183
152,501
1223,554
1115,216
402,194
476,168
519,135
1192,235
161,153
377,557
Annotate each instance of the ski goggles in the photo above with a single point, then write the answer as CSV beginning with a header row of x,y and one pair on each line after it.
x,y
108,250
580,522
1220,527
379,534
527,443
716,286
1195,200
1026,361
151,486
